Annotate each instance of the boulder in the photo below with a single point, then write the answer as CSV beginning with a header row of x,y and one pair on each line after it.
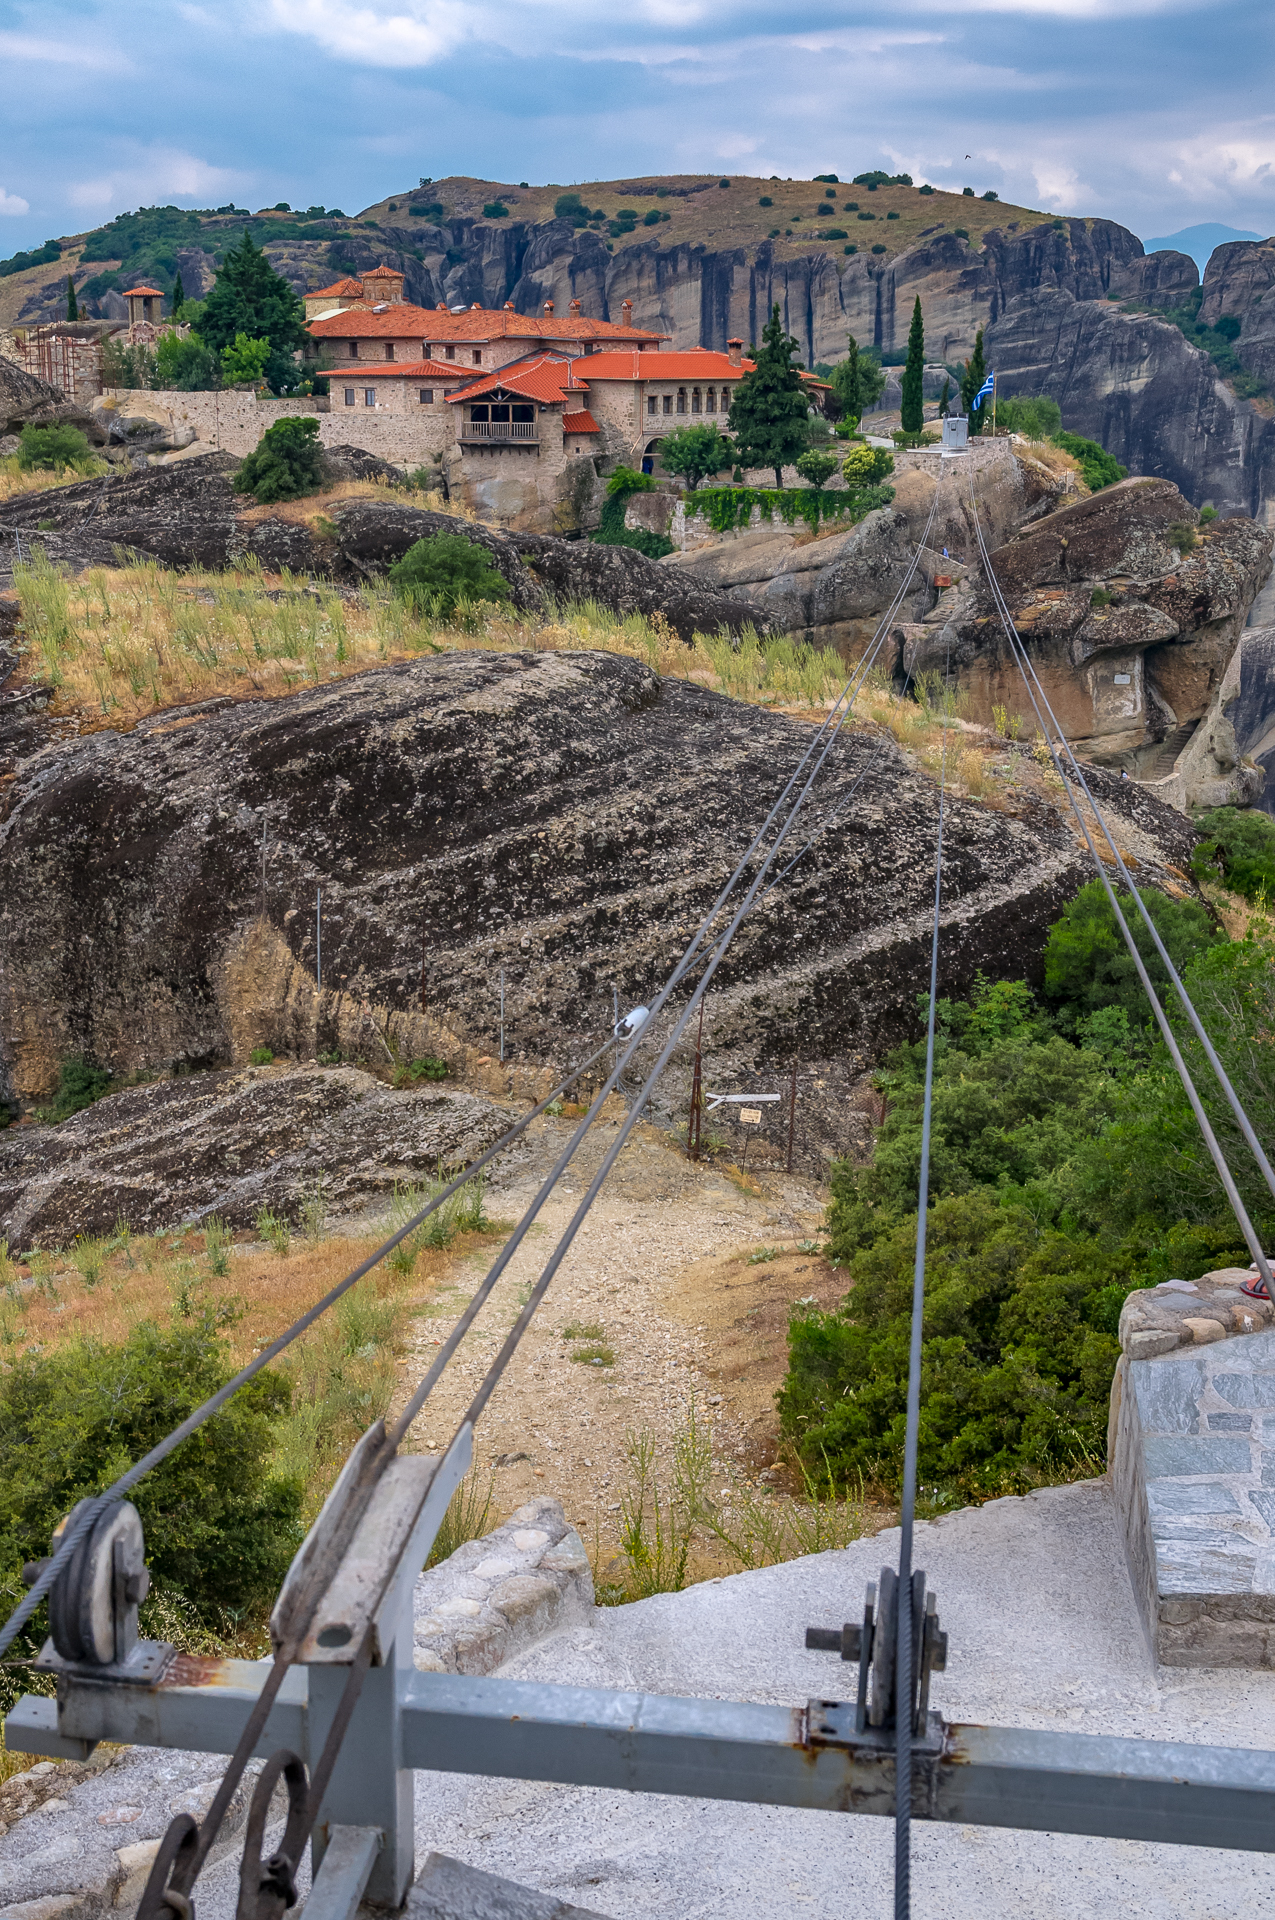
x,y
22,396
564,818
229,1144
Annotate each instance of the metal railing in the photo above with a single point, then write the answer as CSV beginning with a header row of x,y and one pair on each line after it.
x,y
499,430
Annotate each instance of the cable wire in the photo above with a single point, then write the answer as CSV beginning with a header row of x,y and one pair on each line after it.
x,y
1027,671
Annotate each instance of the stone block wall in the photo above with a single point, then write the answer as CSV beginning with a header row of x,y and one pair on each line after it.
x,y
230,422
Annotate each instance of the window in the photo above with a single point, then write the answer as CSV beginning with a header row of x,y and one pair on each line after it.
x,y
695,400
354,349
525,414
450,351
710,401
349,396
681,399
389,349
369,396
478,356
652,404
668,403
480,413
427,396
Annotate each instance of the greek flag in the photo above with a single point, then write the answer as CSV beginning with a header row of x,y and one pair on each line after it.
x,y
988,386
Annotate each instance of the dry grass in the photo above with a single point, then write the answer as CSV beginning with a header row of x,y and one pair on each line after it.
x,y
14,481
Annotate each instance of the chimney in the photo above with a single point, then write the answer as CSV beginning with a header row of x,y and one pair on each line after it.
x,y
575,309
548,309
626,310
735,348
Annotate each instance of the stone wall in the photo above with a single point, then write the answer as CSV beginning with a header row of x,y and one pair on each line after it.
x,y
230,422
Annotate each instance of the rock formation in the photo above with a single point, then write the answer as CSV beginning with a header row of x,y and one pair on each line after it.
x,y
231,1143
567,818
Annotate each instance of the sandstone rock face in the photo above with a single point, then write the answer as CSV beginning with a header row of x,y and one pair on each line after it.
x,y
1146,658
231,1143
188,516
1251,707
565,818
1136,385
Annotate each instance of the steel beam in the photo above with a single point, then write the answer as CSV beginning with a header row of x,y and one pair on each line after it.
x,y
338,1886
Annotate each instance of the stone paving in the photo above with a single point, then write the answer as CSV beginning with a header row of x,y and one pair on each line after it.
x,y
1192,1461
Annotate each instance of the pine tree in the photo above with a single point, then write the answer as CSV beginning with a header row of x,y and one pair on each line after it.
x,y
249,297
72,306
179,296
768,415
913,409
975,374
845,382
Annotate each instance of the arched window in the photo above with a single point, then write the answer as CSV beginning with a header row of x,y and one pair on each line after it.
x,y
695,400
652,404
681,399
710,401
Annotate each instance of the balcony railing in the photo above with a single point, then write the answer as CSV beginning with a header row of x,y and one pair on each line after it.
x,y
499,430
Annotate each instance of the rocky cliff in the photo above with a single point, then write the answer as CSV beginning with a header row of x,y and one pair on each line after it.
x,y
565,818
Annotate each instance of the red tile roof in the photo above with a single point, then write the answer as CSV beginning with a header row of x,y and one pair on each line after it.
x,y
340,290
696,363
383,273
546,377
154,292
580,423
476,324
394,370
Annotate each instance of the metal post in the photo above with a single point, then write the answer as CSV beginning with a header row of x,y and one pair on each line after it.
x,y
615,1021
318,939
697,1093
264,825
370,1786
502,1016
792,1115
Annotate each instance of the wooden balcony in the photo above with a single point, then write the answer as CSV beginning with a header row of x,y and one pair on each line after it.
x,y
499,430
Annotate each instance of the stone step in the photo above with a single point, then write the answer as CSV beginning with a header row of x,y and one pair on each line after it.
x,y
447,1889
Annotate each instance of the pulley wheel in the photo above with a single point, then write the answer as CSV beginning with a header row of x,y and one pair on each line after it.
x,y
96,1589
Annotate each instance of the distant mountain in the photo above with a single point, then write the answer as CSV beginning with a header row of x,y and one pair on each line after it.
x,y
1200,241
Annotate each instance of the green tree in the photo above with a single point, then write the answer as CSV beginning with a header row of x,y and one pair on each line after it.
x,y
1098,468
1239,849
913,411
72,310
818,466
972,380
1088,965
867,467
243,362
249,297
696,453
857,381
286,463
1036,418
439,574
769,412
184,364
179,294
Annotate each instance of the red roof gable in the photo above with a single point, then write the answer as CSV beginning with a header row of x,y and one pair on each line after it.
x,y
395,370
154,292
580,423
476,324
697,363
547,377
340,289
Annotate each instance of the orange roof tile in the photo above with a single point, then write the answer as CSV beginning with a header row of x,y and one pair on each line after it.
x,y
580,423
395,370
340,289
476,324
154,292
383,273
546,377
696,363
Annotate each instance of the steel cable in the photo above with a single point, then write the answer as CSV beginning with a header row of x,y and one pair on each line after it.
x,y
1028,674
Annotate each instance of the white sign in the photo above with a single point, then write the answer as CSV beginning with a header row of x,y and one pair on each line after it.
x,y
750,1116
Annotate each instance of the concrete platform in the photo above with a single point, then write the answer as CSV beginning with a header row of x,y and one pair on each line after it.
x,y
1044,1632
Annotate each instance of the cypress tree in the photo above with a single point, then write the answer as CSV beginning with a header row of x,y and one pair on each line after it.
x,y
72,306
846,382
179,295
975,374
913,412
249,297
768,415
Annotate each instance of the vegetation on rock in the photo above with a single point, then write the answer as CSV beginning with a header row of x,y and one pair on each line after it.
x,y
286,463
440,574
696,453
1239,849
55,447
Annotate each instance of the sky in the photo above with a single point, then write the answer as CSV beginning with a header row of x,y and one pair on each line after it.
x,y
1155,113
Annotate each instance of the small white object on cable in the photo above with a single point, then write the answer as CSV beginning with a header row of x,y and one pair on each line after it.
x,y
637,1017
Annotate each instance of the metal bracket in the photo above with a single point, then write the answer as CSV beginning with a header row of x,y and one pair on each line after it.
x,y
145,1665
874,1645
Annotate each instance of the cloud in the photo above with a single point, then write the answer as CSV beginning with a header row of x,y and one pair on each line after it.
x,y
61,53
151,174
13,203
394,36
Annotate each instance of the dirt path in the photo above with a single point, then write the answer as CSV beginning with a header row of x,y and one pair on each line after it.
x,y
659,1277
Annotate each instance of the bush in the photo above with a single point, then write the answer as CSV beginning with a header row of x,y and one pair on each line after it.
x,y
1035,419
80,1082
219,1529
1098,468
765,201
867,466
53,447
817,466
990,195
244,361
184,364
1239,849
1088,966
495,210
879,248
695,453
569,206
445,571
287,462
652,218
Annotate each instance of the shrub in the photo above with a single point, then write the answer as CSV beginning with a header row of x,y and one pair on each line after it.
x,y
695,453
434,211
765,201
961,233
1098,468
569,206
58,446
833,233
851,206
1036,419
850,249
440,573
652,218
287,462
867,466
879,248
925,189
1182,536
1239,847
817,467
261,1056
867,216
183,363
990,195
495,210
243,362
1087,964
81,1081
892,216
220,1529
